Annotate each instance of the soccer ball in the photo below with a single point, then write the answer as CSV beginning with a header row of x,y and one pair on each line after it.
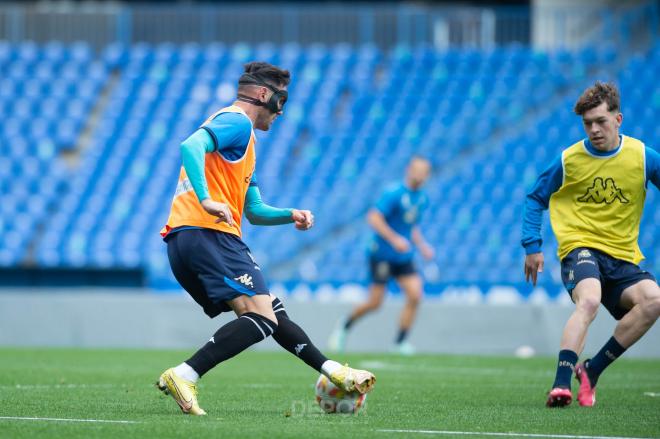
x,y
332,399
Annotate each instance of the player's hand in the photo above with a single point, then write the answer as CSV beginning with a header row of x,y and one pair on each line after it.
x,y
533,266
303,219
400,244
427,252
221,210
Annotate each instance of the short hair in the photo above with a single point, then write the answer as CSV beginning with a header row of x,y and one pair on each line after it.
x,y
267,73
597,94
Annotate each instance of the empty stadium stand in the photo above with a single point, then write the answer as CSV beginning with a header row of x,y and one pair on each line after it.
x,y
89,149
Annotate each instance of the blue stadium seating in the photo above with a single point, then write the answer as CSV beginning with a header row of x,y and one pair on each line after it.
x,y
89,161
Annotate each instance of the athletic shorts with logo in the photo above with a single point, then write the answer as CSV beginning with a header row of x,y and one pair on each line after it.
x,y
213,267
615,275
382,271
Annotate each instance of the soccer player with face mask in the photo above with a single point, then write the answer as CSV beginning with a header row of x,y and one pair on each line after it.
x,y
217,185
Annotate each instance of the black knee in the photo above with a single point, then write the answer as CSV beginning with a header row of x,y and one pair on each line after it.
x,y
278,309
265,325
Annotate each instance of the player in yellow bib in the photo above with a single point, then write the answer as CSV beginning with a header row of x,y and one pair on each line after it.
x,y
595,192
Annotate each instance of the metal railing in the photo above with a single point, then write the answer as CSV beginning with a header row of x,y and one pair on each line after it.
x,y
385,25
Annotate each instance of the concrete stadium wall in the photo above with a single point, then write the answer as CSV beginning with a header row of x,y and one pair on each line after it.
x,y
140,319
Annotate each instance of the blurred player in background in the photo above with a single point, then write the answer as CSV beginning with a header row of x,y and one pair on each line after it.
x,y
394,220
203,234
596,192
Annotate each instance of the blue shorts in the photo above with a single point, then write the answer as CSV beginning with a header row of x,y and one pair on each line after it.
x,y
615,275
213,267
381,270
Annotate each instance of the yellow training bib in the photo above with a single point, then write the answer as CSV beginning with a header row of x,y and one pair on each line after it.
x,y
600,201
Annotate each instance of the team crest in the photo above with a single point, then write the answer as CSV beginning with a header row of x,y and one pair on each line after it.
x,y
406,202
584,254
411,215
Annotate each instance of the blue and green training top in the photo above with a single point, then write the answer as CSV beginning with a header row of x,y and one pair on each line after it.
x,y
228,135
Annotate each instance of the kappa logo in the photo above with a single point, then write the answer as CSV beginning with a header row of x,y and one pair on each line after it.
x,y
299,348
603,191
584,254
212,339
571,275
245,279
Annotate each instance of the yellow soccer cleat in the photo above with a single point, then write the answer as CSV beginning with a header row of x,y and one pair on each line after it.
x,y
350,379
183,391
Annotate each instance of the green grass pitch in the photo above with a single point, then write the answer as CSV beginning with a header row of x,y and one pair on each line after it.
x,y
264,394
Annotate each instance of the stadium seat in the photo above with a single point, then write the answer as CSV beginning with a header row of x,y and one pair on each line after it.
x,y
355,116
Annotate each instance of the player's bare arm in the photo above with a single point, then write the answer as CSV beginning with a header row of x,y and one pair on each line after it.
x,y
424,248
377,221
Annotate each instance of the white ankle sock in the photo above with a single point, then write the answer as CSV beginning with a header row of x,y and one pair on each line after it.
x,y
329,367
186,372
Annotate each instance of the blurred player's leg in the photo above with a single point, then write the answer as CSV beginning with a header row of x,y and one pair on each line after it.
x,y
412,287
586,296
337,341
643,300
292,338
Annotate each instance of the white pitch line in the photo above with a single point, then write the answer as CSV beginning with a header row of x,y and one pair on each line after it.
x,y
58,386
651,394
107,421
485,433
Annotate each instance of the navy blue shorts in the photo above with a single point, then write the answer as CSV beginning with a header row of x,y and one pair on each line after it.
x,y
213,267
381,271
615,275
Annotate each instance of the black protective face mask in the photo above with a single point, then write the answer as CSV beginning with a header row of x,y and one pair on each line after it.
x,y
277,100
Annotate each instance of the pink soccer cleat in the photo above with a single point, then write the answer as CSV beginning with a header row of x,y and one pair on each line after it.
x,y
587,392
559,397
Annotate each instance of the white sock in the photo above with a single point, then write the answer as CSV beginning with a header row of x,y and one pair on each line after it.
x,y
186,372
329,367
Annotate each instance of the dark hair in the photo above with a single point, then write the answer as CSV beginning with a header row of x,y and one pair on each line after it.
x,y
267,73
597,94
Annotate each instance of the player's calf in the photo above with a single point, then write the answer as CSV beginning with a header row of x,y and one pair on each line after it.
x,y
232,339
